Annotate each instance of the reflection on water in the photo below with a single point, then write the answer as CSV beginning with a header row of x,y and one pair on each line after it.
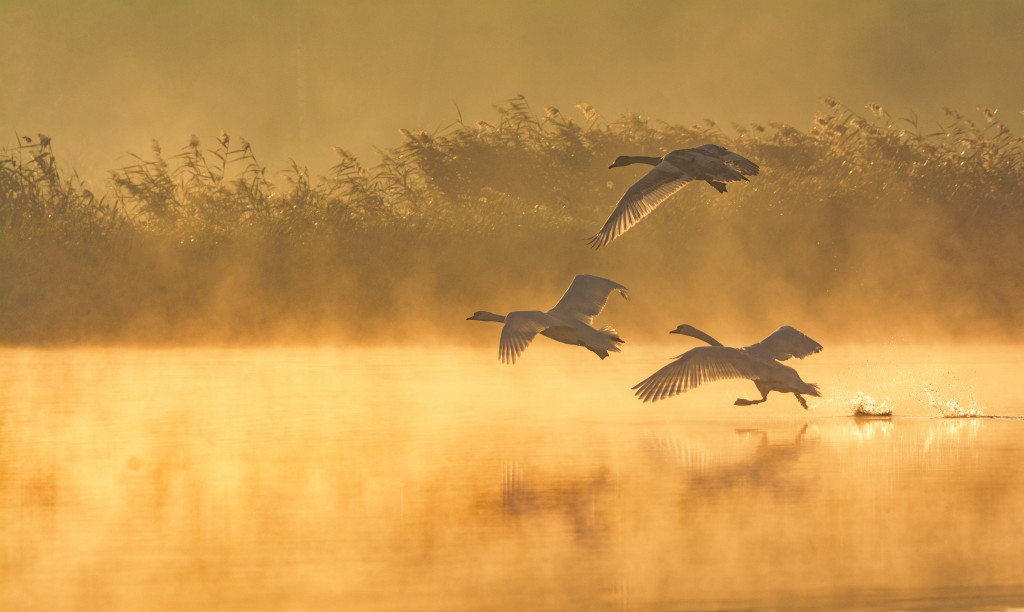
x,y
767,466
372,479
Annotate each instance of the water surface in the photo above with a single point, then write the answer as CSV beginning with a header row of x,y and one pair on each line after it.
x,y
439,479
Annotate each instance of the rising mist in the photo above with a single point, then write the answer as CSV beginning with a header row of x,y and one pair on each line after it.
x,y
863,228
232,219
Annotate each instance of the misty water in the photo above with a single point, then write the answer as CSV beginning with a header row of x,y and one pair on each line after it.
x,y
436,478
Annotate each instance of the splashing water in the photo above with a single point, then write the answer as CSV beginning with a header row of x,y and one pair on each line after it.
x,y
865,405
954,407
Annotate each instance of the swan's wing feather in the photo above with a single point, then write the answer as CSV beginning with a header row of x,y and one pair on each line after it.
x,y
736,161
519,330
713,167
586,297
786,342
741,164
640,199
694,367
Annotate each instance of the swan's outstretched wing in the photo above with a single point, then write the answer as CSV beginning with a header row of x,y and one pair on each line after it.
x,y
694,367
586,297
519,330
640,199
786,342
738,162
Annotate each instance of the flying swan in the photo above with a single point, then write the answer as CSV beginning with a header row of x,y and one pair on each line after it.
x,y
758,362
568,322
712,163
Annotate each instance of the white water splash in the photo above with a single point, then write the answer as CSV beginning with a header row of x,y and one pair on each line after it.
x,y
865,405
954,406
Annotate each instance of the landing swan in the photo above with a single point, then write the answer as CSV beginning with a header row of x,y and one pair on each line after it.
x,y
711,163
758,362
568,322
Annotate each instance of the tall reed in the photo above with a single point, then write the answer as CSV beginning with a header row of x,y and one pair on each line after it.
x,y
858,217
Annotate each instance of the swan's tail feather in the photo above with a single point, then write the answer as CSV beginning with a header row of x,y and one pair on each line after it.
x,y
814,390
605,342
717,185
609,331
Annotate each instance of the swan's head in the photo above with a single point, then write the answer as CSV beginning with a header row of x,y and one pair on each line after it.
x,y
483,315
622,160
687,330
693,332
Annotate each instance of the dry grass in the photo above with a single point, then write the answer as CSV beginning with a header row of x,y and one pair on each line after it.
x,y
864,225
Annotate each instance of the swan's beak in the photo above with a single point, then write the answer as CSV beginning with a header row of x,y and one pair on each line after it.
x,y
675,331
611,166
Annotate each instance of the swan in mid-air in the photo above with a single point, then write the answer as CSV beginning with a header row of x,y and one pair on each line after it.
x,y
568,322
712,163
758,362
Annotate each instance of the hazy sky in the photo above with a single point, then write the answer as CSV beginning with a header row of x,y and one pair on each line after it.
x,y
103,77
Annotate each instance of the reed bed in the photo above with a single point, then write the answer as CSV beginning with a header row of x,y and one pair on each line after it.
x,y
863,224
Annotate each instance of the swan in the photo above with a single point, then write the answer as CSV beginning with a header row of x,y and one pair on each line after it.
x,y
568,322
758,362
712,163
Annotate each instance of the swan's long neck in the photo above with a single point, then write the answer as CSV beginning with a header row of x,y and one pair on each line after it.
x,y
626,160
483,315
693,332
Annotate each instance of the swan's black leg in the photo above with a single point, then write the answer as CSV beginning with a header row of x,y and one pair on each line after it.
x,y
720,186
746,402
801,400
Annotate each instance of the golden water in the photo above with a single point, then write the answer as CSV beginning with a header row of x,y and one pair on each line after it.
x,y
439,479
